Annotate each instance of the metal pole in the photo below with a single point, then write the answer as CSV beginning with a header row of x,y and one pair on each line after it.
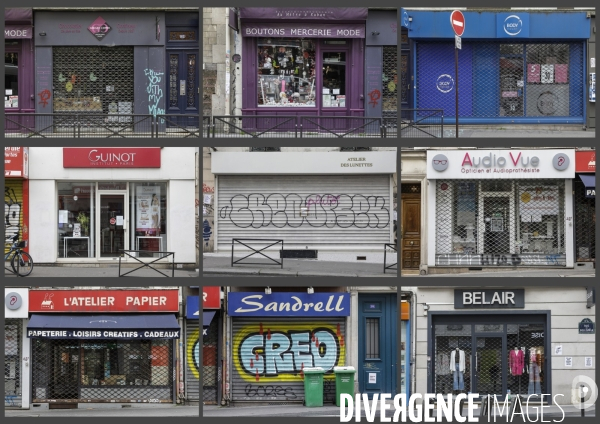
x,y
582,398
456,73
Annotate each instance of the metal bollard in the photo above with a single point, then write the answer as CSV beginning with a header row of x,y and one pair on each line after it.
x,y
582,399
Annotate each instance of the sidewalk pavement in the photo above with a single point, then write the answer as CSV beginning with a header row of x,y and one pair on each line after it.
x,y
90,411
510,272
108,271
330,410
213,264
512,133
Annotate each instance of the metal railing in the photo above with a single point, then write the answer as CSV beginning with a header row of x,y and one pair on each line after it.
x,y
255,252
206,126
180,126
255,126
422,123
147,264
387,246
340,126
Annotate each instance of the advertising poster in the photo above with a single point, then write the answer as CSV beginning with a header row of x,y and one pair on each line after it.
x,y
593,87
147,204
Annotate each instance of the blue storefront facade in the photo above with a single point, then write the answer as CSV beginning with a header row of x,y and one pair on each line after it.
x,y
515,67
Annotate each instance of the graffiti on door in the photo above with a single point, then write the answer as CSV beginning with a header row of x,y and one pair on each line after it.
x,y
193,353
315,210
278,352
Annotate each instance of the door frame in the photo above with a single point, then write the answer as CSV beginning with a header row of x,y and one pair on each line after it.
x,y
388,325
178,50
98,230
421,196
512,238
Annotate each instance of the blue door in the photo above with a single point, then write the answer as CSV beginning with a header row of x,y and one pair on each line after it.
x,y
182,88
377,352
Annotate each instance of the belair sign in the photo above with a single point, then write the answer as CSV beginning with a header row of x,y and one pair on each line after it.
x,y
500,164
259,304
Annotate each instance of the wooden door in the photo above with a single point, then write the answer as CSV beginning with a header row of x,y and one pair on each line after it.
x,y
411,231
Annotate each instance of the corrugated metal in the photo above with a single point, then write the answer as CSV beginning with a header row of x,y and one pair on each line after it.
x,y
13,210
344,211
270,354
192,370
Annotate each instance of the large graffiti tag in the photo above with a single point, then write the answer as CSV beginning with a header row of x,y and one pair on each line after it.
x,y
12,214
193,353
279,352
155,93
315,210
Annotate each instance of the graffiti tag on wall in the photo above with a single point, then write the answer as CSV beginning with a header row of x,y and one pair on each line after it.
x,y
509,259
12,214
155,93
193,353
326,210
279,352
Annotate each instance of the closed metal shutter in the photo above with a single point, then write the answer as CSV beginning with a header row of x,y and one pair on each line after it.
x,y
93,79
270,354
98,370
585,223
13,210
500,222
210,363
192,369
12,362
343,212
498,80
389,81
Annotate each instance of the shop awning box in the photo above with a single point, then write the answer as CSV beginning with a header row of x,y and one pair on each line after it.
x,y
140,326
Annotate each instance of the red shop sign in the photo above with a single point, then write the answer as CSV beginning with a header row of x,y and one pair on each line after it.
x,y
103,301
16,162
585,161
211,297
111,157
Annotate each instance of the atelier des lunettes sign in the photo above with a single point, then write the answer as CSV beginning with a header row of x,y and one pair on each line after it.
x,y
259,304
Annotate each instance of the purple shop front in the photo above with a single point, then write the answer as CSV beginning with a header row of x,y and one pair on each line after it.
x,y
302,62
19,95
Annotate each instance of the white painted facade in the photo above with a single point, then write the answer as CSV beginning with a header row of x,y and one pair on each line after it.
x,y
177,170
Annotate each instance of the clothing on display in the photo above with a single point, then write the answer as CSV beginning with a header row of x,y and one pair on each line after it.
x,y
516,360
457,364
535,369
459,379
443,364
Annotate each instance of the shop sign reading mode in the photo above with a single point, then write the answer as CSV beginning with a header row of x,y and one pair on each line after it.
x,y
489,298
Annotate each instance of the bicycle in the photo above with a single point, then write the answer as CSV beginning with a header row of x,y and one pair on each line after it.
x,y
20,261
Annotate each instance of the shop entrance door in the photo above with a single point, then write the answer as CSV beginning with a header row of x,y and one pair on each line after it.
x,y
512,85
377,350
410,228
489,372
182,88
65,369
112,233
496,216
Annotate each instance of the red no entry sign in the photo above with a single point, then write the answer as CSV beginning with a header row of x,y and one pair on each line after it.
x,y
113,221
457,20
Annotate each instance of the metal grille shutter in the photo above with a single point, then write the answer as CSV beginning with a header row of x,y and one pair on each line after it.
x,y
502,80
284,382
390,82
12,362
210,363
13,210
344,211
192,370
585,211
83,75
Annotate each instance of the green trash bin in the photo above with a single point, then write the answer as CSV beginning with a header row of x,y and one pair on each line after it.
x,y
344,382
313,386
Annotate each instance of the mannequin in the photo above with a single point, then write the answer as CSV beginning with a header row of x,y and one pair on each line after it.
x,y
516,362
457,367
535,359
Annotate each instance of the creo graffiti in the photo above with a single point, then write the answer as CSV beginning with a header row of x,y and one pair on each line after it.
x,y
193,353
322,210
278,352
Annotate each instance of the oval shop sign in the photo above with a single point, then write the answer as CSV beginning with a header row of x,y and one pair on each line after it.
x,y
445,83
513,25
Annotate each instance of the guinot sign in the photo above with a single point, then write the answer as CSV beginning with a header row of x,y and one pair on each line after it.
x,y
111,157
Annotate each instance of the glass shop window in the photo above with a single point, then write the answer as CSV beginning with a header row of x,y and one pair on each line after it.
x,y
11,79
334,79
286,72
448,338
76,211
148,211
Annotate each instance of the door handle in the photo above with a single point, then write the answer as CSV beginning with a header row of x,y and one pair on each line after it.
x,y
412,242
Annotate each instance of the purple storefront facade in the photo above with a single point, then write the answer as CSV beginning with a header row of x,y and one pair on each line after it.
x,y
19,95
303,61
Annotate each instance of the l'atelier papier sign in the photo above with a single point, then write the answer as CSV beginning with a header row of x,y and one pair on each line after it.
x,y
489,299
103,301
288,304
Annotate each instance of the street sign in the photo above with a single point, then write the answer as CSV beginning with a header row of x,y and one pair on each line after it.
x,y
457,42
113,221
457,20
